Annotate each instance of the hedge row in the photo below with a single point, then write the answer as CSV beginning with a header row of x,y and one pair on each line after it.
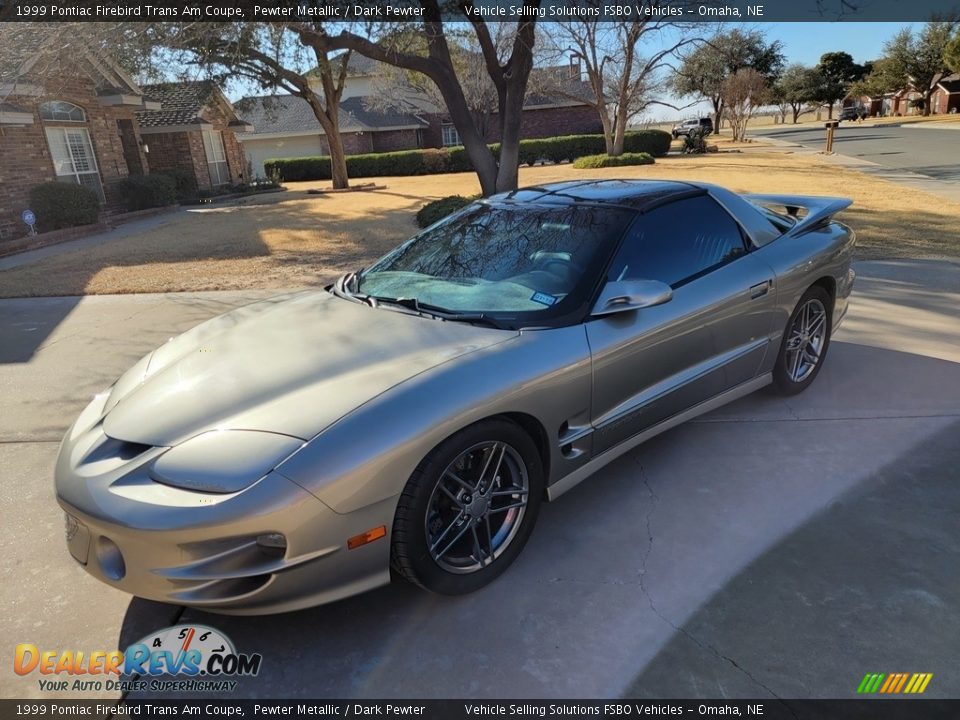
x,y
590,162
140,192
439,209
62,205
430,161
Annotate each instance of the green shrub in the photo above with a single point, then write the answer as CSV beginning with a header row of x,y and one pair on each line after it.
x,y
431,161
185,183
439,209
62,205
601,161
652,142
140,192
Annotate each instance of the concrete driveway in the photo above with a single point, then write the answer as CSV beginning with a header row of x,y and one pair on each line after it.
x,y
770,548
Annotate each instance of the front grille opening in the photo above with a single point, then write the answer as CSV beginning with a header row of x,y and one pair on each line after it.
x,y
111,449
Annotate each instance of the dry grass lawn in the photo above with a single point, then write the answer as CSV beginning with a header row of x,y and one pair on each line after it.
x,y
295,239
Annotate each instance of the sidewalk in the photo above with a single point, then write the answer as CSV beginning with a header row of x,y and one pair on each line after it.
x,y
118,233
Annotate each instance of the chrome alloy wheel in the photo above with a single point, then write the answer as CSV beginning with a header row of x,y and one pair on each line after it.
x,y
477,507
806,340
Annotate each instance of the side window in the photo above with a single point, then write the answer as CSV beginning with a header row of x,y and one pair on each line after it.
x,y
678,242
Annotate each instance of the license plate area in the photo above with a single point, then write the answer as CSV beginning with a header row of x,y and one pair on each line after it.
x,y
78,539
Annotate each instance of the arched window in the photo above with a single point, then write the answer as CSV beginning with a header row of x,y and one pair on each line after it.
x,y
62,111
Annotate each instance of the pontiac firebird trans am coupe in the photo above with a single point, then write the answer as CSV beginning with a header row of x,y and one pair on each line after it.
x,y
412,416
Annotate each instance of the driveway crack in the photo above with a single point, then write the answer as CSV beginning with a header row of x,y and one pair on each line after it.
x,y
703,645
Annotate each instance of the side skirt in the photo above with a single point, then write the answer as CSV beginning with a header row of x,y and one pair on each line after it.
x,y
585,471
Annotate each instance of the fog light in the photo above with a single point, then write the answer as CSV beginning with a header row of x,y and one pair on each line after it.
x,y
110,559
273,543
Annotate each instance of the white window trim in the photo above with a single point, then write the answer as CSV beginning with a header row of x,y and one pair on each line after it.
x,y
74,174
83,112
216,167
451,128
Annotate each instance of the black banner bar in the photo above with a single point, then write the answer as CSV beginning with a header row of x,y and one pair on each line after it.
x,y
693,11
767,709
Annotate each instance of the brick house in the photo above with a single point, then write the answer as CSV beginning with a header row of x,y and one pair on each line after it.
x,y
66,114
946,97
194,131
286,126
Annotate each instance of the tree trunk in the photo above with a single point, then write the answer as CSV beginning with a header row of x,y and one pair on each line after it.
x,y
607,131
717,114
474,143
620,130
926,102
796,113
329,119
830,111
511,115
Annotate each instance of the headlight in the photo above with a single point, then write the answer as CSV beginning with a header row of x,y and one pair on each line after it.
x,y
223,461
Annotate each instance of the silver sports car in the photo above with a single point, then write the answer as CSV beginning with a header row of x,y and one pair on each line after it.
x,y
412,416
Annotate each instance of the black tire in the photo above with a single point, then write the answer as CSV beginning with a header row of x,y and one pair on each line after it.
x,y
410,551
783,379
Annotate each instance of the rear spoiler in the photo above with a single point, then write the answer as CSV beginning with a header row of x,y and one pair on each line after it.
x,y
819,210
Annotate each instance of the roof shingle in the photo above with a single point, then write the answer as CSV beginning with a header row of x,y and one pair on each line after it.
x,y
292,114
181,103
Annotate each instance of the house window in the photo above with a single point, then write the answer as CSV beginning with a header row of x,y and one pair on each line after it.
x,y
62,112
73,158
216,157
450,135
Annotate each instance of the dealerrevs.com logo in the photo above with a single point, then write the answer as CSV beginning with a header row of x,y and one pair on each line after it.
x,y
200,658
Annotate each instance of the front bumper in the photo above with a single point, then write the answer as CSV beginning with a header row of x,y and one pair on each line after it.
x,y
200,549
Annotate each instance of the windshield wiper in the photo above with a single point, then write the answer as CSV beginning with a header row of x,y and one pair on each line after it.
x,y
439,312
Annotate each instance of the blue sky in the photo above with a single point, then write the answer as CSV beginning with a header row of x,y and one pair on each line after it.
x,y
804,43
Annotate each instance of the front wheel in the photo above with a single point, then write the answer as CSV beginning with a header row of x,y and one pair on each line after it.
x,y
468,509
805,343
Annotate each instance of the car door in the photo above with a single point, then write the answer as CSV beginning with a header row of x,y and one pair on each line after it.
x,y
652,363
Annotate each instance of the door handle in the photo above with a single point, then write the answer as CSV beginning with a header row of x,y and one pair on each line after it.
x,y
760,289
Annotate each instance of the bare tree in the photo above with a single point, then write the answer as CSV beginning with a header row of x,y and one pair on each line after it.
x,y
274,57
623,62
396,88
742,93
55,53
508,71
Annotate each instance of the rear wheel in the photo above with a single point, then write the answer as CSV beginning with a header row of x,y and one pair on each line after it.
x,y
468,508
804,344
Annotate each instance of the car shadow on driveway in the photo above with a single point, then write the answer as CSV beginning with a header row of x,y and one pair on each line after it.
x,y
722,528
25,327
868,585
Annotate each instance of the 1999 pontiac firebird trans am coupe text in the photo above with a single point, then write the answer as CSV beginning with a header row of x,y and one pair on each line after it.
x,y
414,415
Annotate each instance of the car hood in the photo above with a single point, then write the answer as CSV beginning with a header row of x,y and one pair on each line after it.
x,y
290,365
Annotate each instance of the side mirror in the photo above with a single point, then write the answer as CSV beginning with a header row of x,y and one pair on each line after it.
x,y
623,295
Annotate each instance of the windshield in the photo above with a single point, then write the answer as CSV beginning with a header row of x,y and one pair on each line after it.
x,y
528,261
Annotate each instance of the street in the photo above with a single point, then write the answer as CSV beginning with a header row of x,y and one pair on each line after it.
x,y
772,547
923,150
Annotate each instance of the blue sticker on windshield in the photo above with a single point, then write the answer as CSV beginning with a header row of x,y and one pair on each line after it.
x,y
543,298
